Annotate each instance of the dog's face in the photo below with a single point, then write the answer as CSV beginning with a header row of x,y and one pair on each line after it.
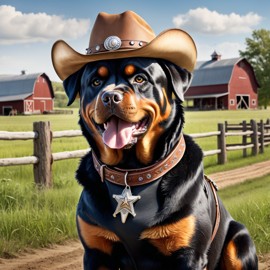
x,y
126,104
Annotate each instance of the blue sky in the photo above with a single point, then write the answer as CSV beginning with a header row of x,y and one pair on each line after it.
x,y
28,28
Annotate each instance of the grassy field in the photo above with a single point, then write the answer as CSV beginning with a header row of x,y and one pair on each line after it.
x,y
32,218
249,203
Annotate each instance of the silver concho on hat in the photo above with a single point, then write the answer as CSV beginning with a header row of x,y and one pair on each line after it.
x,y
112,43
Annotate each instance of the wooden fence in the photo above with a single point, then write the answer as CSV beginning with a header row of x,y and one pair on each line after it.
x,y
254,135
43,157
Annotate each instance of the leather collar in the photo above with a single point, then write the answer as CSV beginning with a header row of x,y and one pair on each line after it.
x,y
137,177
214,189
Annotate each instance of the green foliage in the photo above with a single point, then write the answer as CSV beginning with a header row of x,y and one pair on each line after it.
x,y
58,87
61,99
258,54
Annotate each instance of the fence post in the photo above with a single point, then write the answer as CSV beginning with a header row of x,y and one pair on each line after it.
x,y
42,150
222,156
244,140
254,137
226,126
261,138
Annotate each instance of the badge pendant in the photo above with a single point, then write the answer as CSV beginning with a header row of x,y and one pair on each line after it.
x,y
125,202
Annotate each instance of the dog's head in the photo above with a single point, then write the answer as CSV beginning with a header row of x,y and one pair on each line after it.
x,y
129,105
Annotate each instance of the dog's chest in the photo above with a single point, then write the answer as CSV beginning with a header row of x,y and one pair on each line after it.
x,y
129,232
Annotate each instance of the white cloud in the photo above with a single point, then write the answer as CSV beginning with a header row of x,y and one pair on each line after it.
x,y
202,20
18,27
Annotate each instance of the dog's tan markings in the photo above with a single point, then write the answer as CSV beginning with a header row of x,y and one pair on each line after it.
x,y
170,238
87,113
130,70
230,260
164,101
145,147
111,156
103,72
107,155
96,237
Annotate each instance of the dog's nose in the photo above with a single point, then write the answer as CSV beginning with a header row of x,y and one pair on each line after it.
x,y
111,97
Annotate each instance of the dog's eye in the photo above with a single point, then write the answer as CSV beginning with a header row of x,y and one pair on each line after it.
x,y
139,79
96,82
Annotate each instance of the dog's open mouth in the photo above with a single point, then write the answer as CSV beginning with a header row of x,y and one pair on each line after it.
x,y
118,134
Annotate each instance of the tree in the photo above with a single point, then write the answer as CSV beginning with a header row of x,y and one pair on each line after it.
x,y
258,54
61,99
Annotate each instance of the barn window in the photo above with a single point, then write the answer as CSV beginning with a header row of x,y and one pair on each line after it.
x,y
231,101
254,102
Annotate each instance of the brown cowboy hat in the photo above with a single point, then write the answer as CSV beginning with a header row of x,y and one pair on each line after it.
x,y
121,36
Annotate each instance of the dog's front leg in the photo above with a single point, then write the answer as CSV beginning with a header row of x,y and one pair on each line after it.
x,y
175,240
189,259
96,260
98,244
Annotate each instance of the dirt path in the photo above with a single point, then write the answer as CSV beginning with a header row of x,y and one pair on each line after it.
x,y
239,175
69,256
59,257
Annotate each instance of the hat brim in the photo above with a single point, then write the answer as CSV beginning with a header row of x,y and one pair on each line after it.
x,y
173,45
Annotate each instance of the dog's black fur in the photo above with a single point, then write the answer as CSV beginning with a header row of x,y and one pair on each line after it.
x,y
176,213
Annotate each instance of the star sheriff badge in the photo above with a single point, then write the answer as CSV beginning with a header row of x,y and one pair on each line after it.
x,y
125,203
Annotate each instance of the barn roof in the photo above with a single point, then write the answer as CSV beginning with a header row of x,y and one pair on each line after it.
x,y
213,72
17,87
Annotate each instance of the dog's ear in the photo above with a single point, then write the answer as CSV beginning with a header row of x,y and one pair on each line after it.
x,y
72,85
179,78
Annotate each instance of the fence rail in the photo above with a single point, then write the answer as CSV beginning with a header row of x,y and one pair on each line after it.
x,y
7,135
43,158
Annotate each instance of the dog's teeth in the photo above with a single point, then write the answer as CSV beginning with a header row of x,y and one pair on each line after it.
x,y
105,126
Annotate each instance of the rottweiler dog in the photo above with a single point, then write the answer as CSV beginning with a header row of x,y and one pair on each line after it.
x,y
146,203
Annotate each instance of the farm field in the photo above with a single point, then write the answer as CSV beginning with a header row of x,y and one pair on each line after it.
x,y
34,218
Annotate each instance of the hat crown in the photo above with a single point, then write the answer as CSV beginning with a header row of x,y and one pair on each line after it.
x,y
125,35
127,26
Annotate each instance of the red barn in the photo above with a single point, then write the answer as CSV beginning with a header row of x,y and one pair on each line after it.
x,y
223,84
25,94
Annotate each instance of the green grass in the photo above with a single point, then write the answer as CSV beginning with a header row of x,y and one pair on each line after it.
x,y
33,218
249,203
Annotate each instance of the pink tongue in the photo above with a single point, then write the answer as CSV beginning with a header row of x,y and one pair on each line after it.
x,y
118,133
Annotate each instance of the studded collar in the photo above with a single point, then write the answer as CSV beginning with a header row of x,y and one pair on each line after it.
x,y
137,177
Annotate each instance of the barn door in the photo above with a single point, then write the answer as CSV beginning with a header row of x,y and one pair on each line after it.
x,y
242,102
28,106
